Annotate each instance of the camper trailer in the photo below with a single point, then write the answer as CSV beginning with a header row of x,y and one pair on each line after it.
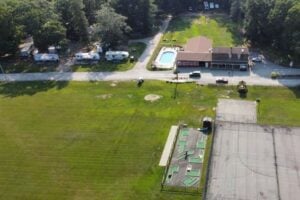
x,y
25,52
116,55
87,57
46,57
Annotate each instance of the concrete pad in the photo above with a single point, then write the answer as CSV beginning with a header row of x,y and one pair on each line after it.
x,y
287,142
244,165
168,146
236,111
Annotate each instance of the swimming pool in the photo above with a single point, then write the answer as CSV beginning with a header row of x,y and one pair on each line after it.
x,y
167,58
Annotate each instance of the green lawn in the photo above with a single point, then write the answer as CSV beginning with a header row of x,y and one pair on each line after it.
x,y
217,27
23,66
135,49
102,141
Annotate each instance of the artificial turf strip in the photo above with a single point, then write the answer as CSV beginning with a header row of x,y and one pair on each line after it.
x,y
194,173
77,140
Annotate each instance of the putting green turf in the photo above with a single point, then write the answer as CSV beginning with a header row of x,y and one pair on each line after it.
x,y
100,141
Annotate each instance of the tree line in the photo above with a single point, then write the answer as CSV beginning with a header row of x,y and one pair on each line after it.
x,y
270,23
54,22
274,23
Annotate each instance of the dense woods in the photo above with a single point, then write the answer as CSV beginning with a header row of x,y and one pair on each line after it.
x,y
273,23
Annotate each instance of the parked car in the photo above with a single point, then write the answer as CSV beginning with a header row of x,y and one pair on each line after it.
x,y
195,74
257,59
222,80
243,68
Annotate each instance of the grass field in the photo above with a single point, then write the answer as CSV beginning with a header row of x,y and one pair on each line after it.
x,y
217,27
135,49
102,141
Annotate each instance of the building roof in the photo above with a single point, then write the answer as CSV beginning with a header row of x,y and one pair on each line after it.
x,y
230,50
198,44
193,56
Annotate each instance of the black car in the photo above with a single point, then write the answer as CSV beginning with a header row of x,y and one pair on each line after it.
x,y
222,80
195,74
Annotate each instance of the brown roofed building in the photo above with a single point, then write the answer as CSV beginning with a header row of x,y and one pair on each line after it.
x,y
198,52
198,44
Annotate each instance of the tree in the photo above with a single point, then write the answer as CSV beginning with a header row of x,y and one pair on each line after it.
x,y
111,27
9,34
31,15
90,10
140,14
256,25
51,33
237,9
276,23
74,19
292,31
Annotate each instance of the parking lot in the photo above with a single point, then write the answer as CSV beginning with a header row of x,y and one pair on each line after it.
x,y
250,161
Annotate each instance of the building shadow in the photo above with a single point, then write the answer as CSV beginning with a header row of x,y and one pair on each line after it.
x,y
15,89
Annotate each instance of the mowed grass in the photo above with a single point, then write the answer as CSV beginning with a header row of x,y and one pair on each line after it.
x,y
217,27
104,141
134,49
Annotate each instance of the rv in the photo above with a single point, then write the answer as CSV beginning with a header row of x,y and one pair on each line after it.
x,y
116,55
46,57
87,57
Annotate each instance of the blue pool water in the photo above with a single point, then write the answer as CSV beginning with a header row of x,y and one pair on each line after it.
x,y
167,58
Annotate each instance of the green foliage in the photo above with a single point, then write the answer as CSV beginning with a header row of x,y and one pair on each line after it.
x,y
111,27
9,33
32,15
90,10
274,23
51,33
140,14
74,19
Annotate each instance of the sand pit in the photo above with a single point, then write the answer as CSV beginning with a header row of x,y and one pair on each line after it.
x,y
152,97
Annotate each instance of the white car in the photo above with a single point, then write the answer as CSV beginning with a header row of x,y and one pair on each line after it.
x,y
257,59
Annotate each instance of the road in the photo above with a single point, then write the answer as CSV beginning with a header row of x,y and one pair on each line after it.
x,y
259,75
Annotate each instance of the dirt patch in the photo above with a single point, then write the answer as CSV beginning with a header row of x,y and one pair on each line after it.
x,y
152,97
114,84
104,96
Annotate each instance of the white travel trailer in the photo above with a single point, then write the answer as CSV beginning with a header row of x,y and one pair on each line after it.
x,y
46,57
87,57
116,55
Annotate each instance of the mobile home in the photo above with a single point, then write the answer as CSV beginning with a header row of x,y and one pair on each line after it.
x,y
116,55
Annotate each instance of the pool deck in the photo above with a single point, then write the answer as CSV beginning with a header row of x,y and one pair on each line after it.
x,y
160,65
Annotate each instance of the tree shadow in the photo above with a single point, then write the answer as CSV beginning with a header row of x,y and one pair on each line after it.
x,y
15,89
224,21
27,66
296,91
180,23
